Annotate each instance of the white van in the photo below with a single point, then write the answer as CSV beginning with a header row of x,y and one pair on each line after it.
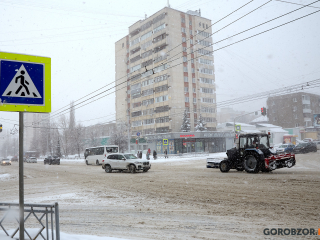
x,y
94,155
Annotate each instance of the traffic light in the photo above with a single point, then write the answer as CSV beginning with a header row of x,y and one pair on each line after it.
x,y
0,127
263,111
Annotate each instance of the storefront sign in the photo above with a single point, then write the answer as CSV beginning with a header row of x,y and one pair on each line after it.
x,y
184,136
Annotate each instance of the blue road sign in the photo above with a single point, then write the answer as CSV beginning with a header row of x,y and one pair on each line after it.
x,y
22,83
138,134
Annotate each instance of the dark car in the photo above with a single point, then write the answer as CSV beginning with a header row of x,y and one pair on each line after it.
x,y
305,147
51,160
14,159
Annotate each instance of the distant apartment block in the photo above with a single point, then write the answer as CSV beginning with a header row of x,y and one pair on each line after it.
x,y
164,67
293,110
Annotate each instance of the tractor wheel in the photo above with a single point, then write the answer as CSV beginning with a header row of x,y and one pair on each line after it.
x,y
224,166
251,164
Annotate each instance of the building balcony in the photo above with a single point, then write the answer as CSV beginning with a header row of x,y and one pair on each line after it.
x,y
307,119
305,110
305,101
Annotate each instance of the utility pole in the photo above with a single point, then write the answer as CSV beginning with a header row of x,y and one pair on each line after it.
x,y
128,115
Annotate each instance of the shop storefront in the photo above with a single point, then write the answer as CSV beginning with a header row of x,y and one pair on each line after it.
x,y
176,143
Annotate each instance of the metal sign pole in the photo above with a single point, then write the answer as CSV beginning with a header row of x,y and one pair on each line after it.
x,y
21,186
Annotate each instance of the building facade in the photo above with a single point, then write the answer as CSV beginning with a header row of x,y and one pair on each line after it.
x,y
293,110
164,66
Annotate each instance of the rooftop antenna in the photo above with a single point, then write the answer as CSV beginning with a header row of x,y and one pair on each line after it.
x,y
199,11
168,3
145,16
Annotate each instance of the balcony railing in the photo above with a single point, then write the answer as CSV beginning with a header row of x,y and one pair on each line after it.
x,y
306,110
305,101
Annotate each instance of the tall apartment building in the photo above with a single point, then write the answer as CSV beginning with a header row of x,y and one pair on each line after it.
x,y
293,110
164,67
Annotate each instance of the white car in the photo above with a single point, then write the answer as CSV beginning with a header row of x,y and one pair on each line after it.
x,y
124,161
32,160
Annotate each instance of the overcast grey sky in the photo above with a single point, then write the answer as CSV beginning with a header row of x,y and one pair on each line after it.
x,y
79,37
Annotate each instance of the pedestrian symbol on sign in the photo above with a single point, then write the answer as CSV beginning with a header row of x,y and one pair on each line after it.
x,y
21,85
165,142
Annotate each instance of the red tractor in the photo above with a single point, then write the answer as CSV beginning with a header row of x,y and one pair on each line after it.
x,y
253,154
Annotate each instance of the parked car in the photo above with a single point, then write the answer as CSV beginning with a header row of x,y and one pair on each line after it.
x,y
14,159
305,147
31,160
5,161
285,148
124,161
307,140
318,144
51,160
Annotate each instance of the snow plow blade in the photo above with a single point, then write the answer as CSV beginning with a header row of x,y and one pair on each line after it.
x,y
280,161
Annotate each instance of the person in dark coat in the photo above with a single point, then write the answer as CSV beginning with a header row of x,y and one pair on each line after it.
x,y
140,155
154,154
165,153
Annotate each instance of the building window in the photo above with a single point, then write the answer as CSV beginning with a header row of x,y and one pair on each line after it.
x,y
297,125
148,111
192,70
294,99
186,89
184,59
161,88
159,48
205,61
274,118
194,100
192,61
122,45
147,102
148,121
183,20
147,54
136,123
135,41
146,45
186,99
191,41
203,25
184,49
295,116
134,68
190,31
183,39
185,69
145,36
199,24
162,119
206,71
147,92
160,78
161,99
207,80
203,34
193,80
186,79
207,110
159,38
161,68
208,100
206,25
207,90
295,108
157,29
204,52
160,58
194,90
183,30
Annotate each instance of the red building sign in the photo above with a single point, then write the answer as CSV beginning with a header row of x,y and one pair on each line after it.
x,y
185,136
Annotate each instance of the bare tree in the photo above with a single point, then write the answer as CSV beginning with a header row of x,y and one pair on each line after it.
x,y
65,136
119,136
78,138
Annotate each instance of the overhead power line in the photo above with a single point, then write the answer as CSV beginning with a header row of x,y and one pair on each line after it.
x,y
218,48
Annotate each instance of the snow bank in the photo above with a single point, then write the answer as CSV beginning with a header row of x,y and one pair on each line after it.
x,y
4,177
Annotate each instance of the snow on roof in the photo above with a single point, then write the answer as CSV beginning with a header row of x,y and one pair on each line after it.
x,y
268,125
278,130
260,119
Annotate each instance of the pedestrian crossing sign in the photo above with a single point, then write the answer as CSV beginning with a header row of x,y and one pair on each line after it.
x,y
165,142
25,83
